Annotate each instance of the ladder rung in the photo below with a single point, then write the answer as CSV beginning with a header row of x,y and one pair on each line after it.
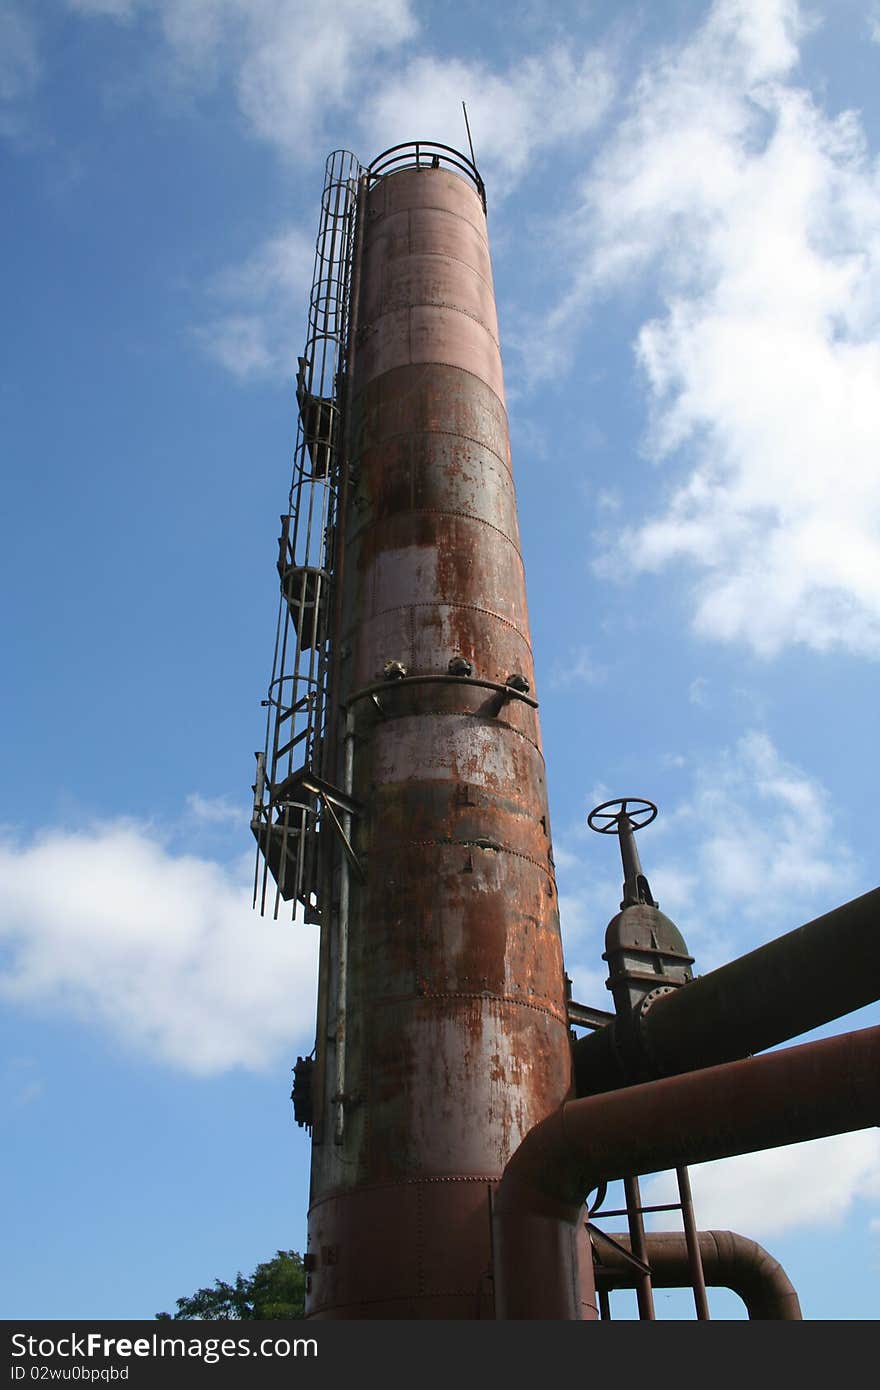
x,y
292,744
295,709
622,1211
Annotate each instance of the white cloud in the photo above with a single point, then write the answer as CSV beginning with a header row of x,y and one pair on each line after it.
x,y
300,71
758,217
107,9
698,691
239,342
292,64
674,887
548,97
21,1082
296,67
763,1194
579,668
214,810
20,67
261,331
673,760
303,59
161,950
767,847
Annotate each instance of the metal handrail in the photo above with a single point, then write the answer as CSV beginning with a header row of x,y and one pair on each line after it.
x,y
425,154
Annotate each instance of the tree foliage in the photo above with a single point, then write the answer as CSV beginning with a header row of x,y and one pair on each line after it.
x,y
276,1289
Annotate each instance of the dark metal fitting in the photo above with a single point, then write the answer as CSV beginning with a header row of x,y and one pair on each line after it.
x,y
460,666
518,682
652,996
394,671
302,1093
633,811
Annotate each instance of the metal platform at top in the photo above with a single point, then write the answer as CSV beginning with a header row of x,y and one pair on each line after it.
x,y
425,154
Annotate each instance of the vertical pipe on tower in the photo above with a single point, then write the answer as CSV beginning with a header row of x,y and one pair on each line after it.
x,y
456,1035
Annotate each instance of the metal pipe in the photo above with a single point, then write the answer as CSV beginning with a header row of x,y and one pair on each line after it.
x,y
632,865
644,1292
804,1092
342,934
729,1261
691,1236
817,973
456,1038
509,692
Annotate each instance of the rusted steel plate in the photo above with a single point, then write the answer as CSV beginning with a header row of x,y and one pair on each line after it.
x,y
439,1271
426,279
426,189
487,930
436,231
428,557
429,333
455,1083
455,751
439,281
428,399
434,472
426,640
447,336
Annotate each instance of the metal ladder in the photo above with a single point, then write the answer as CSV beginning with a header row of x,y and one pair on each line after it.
x,y
637,1255
288,805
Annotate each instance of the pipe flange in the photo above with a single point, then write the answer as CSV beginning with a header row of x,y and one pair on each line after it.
x,y
650,999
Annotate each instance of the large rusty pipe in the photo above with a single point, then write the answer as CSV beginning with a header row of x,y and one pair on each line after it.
x,y
456,1036
730,1261
805,1092
817,973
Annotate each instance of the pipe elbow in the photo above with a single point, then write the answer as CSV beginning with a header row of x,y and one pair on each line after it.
x,y
752,1272
729,1260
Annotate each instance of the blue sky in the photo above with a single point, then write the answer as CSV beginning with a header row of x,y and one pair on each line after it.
x,y
684,208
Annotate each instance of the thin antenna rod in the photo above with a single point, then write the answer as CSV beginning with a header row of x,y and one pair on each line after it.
x,y
468,129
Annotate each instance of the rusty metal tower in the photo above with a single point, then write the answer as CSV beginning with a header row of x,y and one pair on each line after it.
x,y
458,1127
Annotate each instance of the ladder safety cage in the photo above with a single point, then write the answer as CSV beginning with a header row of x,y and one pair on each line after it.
x,y
286,811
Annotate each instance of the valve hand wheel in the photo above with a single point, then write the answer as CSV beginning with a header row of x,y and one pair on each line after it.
x,y
606,819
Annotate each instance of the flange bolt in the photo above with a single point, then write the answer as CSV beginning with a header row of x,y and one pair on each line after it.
x,y
393,671
460,666
518,682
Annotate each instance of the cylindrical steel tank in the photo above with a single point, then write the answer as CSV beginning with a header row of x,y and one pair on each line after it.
x,y
455,1039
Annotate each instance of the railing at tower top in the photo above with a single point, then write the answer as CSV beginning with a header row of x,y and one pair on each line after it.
x,y
287,809
425,154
